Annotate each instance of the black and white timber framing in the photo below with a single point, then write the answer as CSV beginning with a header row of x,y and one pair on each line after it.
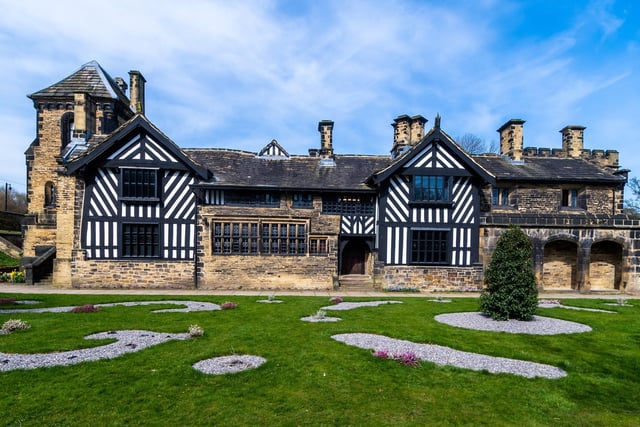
x,y
437,155
138,145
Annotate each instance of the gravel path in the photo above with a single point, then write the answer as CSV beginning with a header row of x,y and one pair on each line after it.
x,y
127,342
441,355
189,306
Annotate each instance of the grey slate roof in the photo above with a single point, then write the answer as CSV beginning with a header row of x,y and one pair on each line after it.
x,y
235,168
548,169
90,78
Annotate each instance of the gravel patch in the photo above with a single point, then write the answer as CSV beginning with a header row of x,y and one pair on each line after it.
x,y
314,319
352,305
441,355
128,341
228,364
554,305
538,326
189,306
270,301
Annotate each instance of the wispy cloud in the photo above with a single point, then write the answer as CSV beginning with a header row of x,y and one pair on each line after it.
x,y
237,74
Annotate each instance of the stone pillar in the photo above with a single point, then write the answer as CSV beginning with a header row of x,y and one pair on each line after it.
x,y
582,270
65,231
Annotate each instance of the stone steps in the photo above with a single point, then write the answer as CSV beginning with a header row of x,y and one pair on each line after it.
x,y
356,282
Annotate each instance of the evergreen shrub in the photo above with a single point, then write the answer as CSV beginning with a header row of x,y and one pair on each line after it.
x,y
510,286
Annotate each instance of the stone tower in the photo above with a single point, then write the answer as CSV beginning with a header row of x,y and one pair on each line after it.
x,y
72,115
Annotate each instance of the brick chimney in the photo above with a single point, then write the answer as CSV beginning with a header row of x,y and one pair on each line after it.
x,y
512,139
325,127
572,140
407,132
84,116
136,96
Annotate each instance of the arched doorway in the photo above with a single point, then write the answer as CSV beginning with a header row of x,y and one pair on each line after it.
x,y
560,265
354,257
605,268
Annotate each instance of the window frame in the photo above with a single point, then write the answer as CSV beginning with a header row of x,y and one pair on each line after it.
x,y
500,196
569,198
426,255
302,201
138,191
348,204
251,237
152,250
421,194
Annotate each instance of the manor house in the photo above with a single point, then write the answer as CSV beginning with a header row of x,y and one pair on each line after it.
x,y
114,202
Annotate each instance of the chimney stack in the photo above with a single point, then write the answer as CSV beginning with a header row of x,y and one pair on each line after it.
x,y
512,139
325,127
572,140
136,96
407,132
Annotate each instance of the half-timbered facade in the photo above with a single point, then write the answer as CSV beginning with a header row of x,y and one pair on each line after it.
x,y
113,202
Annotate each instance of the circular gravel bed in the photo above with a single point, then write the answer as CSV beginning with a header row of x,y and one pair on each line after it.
x,y
538,326
228,364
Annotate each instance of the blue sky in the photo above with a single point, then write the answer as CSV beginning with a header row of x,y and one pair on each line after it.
x,y
239,74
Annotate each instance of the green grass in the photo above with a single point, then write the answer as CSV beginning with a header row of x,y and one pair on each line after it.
x,y
310,379
8,261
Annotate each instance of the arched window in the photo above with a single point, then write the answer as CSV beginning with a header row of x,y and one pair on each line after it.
x,y
49,195
66,129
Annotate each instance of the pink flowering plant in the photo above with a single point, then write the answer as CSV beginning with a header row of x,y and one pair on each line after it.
x,y
87,308
335,300
407,358
228,305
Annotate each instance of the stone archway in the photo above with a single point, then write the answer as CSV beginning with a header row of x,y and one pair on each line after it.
x,y
560,265
605,267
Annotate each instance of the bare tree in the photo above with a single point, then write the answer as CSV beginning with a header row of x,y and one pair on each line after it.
x,y
632,203
472,144
16,202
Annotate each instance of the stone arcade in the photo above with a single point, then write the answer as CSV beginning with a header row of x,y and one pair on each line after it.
x,y
114,202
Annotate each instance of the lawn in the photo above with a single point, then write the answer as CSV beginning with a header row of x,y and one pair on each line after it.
x,y
310,379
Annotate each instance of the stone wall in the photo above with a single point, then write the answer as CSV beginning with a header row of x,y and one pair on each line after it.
x,y
433,278
268,271
131,274
532,199
615,242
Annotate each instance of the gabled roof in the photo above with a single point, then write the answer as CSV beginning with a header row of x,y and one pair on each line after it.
x,y
273,150
139,124
548,169
435,135
91,78
234,168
